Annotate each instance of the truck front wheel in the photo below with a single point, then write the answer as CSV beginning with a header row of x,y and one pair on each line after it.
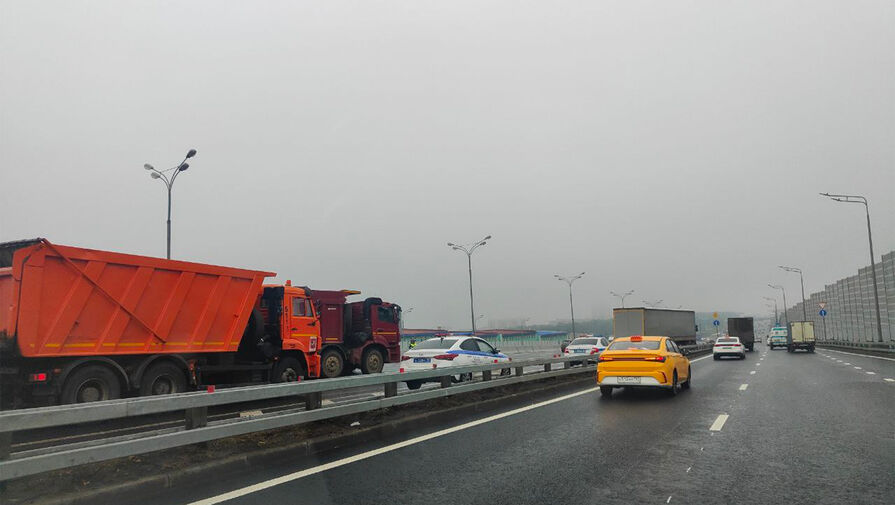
x,y
162,379
91,383
288,369
372,361
331,364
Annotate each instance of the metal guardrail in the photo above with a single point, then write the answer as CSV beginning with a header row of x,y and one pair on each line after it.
x,y
195,407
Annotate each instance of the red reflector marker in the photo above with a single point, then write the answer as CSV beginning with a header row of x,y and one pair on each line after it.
x,y
210,389
400,370
38,377
495,361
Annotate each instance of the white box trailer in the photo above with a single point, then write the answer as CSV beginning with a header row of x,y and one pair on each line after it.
x,y
680,325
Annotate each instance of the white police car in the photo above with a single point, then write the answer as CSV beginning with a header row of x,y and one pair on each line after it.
x,y
451,351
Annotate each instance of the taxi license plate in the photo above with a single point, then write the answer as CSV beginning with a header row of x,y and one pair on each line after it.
x,y
629,380
421,360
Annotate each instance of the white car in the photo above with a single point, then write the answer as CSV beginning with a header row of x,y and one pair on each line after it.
x,y
586,346
444,352
728,346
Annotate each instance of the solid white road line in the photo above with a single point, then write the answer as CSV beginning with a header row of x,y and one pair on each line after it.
x,y
864,355
699,359
382,450
743,387
719,422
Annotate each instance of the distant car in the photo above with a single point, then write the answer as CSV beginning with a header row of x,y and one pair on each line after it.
x,y
586,346
728,346
447,352
643,362
777,338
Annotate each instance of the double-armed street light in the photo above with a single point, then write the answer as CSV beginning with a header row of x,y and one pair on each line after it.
x,y
785,315
468,250
168,177
570,280
802,279
622,296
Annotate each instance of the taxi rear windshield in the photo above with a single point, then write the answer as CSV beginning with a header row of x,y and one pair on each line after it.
x,y
646,345
436,343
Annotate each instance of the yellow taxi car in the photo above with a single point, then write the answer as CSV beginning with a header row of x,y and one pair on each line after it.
x,y
637,361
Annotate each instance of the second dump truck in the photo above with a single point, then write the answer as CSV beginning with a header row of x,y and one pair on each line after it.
x,y
80,325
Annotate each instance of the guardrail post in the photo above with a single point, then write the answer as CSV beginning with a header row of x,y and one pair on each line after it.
x,y
5,445
391,389
567,364
546,367
313,401
519,371
446,381
486,375
196,417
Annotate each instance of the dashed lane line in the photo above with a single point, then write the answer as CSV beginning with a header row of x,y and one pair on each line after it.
x,y
857,368
870,373
889,380
719,422
743,387
864,355
752,372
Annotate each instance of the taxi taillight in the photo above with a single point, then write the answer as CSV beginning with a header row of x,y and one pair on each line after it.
x,y
603,357
656,358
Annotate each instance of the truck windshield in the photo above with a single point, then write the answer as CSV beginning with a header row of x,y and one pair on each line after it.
x,y
622,345
436,343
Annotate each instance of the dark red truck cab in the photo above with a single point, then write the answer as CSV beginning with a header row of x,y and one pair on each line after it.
x,y
362,334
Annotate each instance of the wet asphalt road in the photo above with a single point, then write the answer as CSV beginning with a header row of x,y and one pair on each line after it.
x,y
807,428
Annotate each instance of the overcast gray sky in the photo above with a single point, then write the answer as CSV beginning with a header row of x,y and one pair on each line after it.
x,y
673,148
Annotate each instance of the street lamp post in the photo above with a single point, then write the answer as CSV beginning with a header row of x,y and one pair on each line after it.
x,y
785,315
469,250
404,313
802,279
776,317
862,200
569,281
168,178
622,296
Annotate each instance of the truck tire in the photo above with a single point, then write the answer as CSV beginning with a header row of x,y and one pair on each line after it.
x,y
331,364
287,369
162,378
372,362
90,384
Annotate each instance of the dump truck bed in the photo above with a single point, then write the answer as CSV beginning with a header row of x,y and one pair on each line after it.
x,y
68,301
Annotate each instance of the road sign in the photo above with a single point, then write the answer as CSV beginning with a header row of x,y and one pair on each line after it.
x,y
715,315
823,313
822,305
717,323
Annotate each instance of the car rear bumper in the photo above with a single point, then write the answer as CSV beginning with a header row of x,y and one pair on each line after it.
x,y
615,381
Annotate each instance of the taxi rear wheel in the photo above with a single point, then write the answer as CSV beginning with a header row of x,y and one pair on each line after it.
x,y
606,391
686,385
673,390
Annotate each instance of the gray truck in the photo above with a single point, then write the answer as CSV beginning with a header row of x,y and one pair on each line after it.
x,y
743,329
680,325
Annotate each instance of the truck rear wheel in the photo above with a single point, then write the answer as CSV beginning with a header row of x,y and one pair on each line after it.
x,y
288,369
91,383
331,364
372,361
162,379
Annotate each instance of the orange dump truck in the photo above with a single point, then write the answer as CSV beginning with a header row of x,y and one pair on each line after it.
x,y
80,325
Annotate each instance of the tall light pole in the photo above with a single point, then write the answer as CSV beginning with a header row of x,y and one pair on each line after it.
x,y
569,281
776,317
469,250
802,279
785,315
168,177
404,313
622,296
862,200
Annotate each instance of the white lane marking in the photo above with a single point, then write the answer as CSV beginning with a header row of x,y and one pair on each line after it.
x,y
889,380
698,359
688,469
752,372
870,373
382,450
719,422
758,364
668,500
864,355
848,363
743,387
838,361
857,368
